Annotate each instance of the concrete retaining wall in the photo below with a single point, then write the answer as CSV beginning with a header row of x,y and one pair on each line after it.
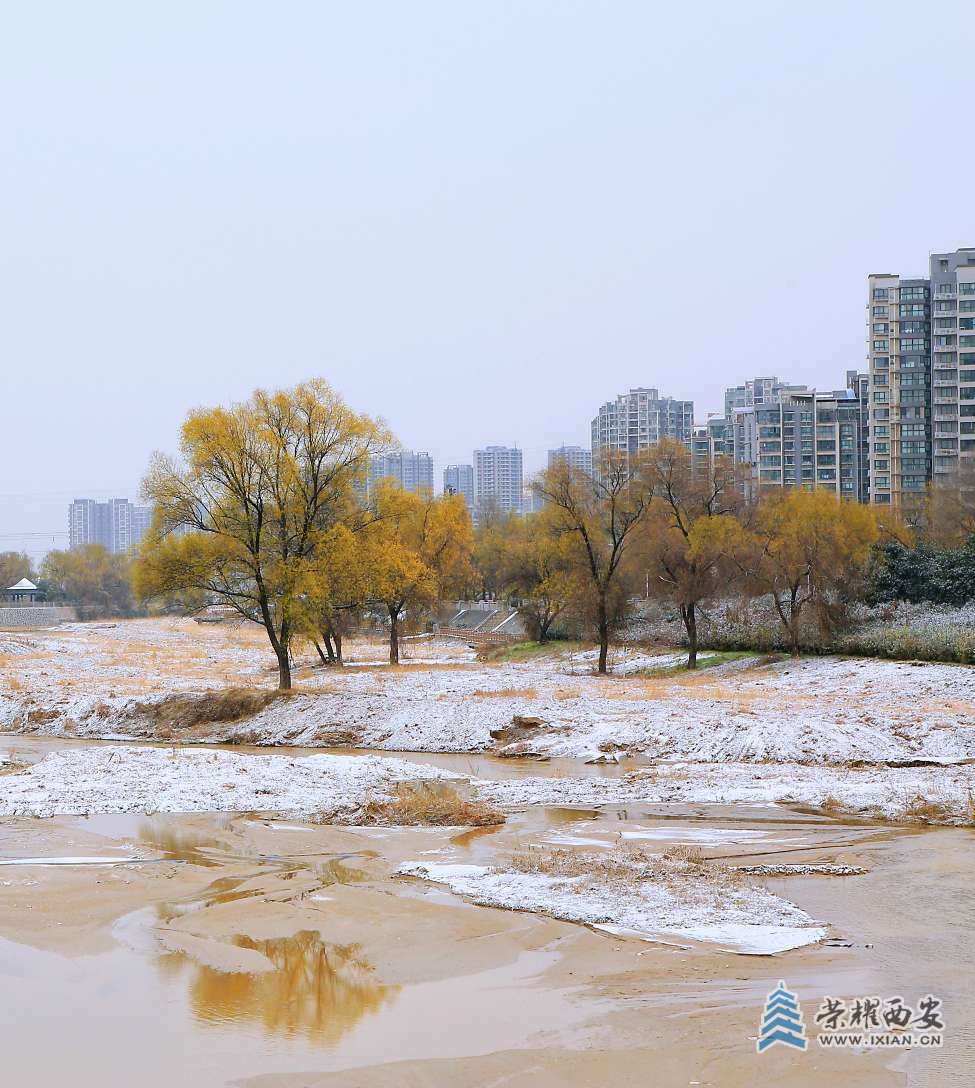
x,y
35,615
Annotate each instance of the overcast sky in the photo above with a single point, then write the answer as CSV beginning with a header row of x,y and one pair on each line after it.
x,y
478,220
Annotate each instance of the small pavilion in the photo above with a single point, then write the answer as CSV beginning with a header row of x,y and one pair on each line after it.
x,y
24,592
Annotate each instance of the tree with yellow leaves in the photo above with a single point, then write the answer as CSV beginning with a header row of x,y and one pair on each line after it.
x,y
417,549
536,567
248,511
334,586
692,539
598,516
810,546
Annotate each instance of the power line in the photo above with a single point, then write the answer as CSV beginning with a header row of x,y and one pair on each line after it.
x,y
34,534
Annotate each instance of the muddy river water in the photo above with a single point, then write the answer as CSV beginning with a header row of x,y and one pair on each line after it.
x,y
250,949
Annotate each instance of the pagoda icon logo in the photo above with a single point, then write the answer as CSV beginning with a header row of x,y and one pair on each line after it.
x,y
782,1021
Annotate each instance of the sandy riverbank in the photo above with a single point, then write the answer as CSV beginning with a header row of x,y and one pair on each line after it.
x,y
285,955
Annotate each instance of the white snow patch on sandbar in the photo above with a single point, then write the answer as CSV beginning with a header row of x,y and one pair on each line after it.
x,y
79,781
746,919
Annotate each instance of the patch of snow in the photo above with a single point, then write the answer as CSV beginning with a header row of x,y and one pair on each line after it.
x,y
882,791
711,836
79,781
757,940
750,920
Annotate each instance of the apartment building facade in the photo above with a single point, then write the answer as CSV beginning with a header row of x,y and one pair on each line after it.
x,y
498,480
639,419
758,391
575,456
459,480
921,352
953,366
412,471
811,440
117,524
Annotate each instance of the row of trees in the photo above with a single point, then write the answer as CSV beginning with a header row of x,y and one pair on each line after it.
x,y
687,537
266,511
94,580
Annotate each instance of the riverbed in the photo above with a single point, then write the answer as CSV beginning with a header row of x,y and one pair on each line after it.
x,y
252,949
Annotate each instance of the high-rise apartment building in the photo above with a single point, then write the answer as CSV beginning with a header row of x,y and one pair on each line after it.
x,y
497,480
640,419
811,440
711,441
953,366
412,471
459,480
758,391
922,377
118,525
575,456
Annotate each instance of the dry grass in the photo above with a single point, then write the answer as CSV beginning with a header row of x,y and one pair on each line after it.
x,y
832,805
692,855
428,805
625,866
506,693
182,712
927,810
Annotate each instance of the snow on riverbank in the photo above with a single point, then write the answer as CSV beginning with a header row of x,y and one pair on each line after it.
x,y
112,683
659,898
127,779
885,792
813,711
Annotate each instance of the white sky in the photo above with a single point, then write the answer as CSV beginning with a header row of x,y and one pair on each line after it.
x,y
478,220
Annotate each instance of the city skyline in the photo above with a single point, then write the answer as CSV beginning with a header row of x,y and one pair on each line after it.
x,y
717,432
479,261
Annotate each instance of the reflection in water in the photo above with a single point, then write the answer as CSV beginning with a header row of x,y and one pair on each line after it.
x,y
315,990
181,843
465,838
559,814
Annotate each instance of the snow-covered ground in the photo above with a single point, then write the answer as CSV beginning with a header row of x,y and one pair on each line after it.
x,y
129,779
813,730
663,899
886,792
814,710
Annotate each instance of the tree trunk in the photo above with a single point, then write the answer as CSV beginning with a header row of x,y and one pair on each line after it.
x,y
794,623
284,667
321,652
690,623
394,636
337,639
602,624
